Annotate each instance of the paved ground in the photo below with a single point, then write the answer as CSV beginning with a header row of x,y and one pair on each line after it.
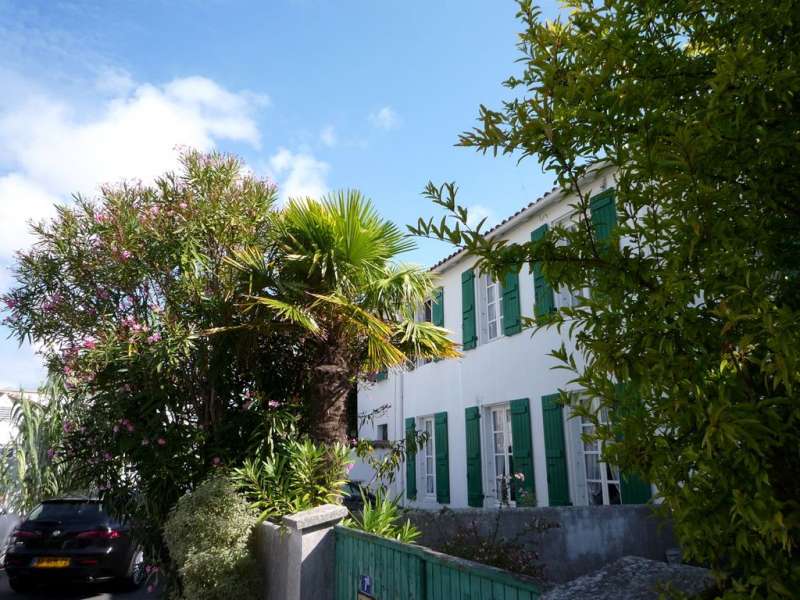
x,y
75,593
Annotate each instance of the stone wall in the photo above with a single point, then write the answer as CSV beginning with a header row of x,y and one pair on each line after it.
x,y
586,539
297,557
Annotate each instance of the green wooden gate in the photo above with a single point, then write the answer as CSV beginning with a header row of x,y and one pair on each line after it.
x,y
396,571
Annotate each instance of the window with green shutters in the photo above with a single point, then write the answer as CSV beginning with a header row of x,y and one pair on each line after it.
x,y
555,451
437,310
382,375
474,468
442,458
544,301
469,330
604,214
511,314
411,460
522,446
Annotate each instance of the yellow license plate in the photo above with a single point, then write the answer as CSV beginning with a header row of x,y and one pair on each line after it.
x,y
46,562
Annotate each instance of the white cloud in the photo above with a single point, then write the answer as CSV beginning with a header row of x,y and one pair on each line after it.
x,y
50,149
328,136
299,174
21,199
386,118
477,212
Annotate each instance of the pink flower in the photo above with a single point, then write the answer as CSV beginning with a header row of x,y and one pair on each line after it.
x,y
519,476
273,404
89,343
10,302
125,254
349,467
107,455
154,210
156,337
183,205
129,427
150,589
216,461
67,426
103,294
247,405
101,217
115,429
50,453
145,442
161,441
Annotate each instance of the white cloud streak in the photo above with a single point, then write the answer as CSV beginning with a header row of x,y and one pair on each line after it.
x,y
385,118
299,174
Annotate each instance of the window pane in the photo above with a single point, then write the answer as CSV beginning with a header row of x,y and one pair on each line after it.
x,y
592,466
492,330
613,494
500,466
612,473
499,442
595,493
429,487
591,446
497,423
492,312
490,292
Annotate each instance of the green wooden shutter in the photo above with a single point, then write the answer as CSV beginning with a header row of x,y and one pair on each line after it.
x,y
411,460
474,471
382,375
469,329
555,451
544,300
437,309
604,214
442,458
522,443
511,317
633,489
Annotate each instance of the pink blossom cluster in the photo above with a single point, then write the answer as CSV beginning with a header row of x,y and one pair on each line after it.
x,y
123,424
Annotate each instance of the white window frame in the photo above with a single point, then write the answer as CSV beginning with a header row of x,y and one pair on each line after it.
x,y
428,458
565,297
492,479
485,283
609,476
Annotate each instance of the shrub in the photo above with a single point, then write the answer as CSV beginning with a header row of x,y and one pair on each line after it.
x,y
208,534
382,517
301,475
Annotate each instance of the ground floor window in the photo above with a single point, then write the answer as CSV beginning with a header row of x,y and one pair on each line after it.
x,y
602,479
501,459
428,454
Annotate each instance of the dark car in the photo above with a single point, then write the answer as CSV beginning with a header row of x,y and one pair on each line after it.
x,y
72,539
352,497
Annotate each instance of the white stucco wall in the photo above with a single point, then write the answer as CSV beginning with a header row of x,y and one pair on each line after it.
x,y
495,372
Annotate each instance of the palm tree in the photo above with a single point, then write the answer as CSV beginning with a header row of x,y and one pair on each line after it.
x,y
334,275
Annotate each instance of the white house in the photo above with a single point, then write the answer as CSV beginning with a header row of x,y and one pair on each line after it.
x,y
496,435
7,399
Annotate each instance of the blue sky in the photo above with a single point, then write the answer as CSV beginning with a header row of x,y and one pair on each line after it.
x,y
318,94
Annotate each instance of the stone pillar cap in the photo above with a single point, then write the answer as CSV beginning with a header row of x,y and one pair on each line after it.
x,y
327,514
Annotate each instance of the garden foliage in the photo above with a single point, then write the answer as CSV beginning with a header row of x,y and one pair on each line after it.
x,y
210,534
383,516
690,331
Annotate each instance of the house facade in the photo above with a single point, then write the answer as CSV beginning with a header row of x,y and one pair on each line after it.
x,y
495,431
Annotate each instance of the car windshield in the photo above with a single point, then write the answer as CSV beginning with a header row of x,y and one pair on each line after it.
x,y
67,511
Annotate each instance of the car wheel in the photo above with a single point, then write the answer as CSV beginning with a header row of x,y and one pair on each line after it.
x,y
136,573
20,584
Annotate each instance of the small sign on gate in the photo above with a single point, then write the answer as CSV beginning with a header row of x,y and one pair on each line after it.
x,y
365,588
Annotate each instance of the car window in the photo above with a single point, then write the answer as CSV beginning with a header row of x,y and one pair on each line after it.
x,y
67,511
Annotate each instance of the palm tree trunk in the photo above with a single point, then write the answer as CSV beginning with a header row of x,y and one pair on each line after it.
x,y
332,383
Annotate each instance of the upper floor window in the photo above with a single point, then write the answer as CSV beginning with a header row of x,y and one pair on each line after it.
x,y
491,300
383,432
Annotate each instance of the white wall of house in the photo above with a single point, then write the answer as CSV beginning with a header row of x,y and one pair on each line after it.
x,y
494,373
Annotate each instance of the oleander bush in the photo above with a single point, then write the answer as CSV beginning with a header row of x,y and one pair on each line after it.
x,y
383,516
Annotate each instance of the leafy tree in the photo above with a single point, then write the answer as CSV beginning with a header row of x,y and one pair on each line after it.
x,y
691,330
122,294
334,278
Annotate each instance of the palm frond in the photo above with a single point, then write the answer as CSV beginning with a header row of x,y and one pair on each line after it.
x,y
292,313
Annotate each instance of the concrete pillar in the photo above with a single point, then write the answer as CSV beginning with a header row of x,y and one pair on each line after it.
x,y
297,557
